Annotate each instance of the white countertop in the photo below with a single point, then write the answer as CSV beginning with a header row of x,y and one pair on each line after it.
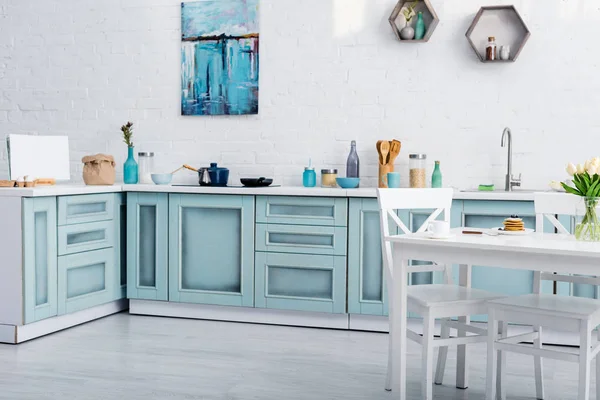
x,y
67,190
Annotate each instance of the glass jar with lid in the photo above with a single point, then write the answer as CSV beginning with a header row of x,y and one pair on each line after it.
x,y
417,165
328,178
146,167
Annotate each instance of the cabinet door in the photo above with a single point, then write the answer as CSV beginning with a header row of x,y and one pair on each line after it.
x,y
315,211
85,280
147,241
40,258
211,249
367,292
301,282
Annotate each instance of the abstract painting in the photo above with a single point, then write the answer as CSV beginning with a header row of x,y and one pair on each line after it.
x,y
219,57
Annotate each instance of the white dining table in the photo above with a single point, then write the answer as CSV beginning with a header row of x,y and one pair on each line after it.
x,y
534,252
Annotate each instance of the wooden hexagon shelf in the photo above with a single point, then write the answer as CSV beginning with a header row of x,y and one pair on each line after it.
x,y
502,22
397,20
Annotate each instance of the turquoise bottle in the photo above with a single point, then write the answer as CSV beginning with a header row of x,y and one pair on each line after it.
x,y
420,27
130,168
436,177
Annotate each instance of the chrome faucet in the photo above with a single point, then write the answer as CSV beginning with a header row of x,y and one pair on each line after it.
x,y
510,179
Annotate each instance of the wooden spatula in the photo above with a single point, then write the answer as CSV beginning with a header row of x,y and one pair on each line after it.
x,y
385,149
395,147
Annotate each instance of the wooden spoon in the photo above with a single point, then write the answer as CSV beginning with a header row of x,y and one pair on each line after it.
x,y
385,149
190,168
395,147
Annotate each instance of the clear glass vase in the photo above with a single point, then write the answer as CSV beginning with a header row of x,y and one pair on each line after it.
x,y
588,227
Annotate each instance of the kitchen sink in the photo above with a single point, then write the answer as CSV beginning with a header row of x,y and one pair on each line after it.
x,y
502,191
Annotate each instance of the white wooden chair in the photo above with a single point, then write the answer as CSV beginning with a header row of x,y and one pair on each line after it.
x,y
565,314
441,301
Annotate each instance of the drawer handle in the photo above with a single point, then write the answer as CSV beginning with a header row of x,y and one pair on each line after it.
x,y
86,208
85,237
300,239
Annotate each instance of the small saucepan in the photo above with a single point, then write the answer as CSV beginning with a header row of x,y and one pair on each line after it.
x,y
213,176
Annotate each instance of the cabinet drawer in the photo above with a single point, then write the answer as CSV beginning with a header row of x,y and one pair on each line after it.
x,y
303,239
85,208
301,210
85,280
300,282
85,237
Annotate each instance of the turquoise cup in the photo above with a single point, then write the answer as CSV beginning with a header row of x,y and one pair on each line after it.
x,y
393,180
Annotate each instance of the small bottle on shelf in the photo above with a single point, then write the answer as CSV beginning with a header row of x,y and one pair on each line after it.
x,y
353,162
309,177
436,177
491,51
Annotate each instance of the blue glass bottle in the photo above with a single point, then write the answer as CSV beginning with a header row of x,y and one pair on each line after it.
x,y
436,177
420,27
130,168
309,177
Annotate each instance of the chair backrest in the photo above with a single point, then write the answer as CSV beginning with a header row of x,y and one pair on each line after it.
x,y
392,200
548,206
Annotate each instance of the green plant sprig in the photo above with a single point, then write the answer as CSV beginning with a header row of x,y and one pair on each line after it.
x,y
409,11
127,130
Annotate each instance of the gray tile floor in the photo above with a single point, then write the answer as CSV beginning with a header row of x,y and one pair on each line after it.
x,y
135,357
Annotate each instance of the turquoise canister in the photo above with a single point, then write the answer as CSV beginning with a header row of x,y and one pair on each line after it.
x,y
420,27
309,177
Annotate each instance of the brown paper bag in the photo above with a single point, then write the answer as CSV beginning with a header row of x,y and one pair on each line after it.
x,y
98,169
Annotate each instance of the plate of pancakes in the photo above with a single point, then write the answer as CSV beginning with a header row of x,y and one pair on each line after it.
x,y
513,226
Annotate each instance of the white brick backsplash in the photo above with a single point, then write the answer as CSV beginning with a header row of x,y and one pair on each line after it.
x,y
332,71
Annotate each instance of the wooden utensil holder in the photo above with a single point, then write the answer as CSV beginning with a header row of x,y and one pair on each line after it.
x,y
383,171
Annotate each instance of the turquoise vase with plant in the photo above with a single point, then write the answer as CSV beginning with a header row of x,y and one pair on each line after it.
x,y
586,183
130,168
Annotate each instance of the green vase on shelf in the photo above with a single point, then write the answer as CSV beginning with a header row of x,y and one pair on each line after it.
x,y
420,27
436,177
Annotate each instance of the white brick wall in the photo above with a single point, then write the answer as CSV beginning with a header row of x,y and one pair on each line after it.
x,y
331,71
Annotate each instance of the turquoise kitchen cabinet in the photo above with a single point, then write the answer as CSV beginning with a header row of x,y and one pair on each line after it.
x,y
367,291
147,246
85,280
316,211
40,258
85,208
211,249
301,282
302,239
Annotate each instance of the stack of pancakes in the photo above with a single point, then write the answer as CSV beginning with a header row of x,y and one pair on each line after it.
x,y
514,224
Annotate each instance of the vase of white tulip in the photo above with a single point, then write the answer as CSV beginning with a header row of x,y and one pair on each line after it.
x,y
586,183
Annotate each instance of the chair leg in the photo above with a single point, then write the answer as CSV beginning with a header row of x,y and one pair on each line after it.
x,y
584,360
388,376
539,365
491,378
501,364
443,354
598,369
427,358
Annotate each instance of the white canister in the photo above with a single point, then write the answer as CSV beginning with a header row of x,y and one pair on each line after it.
x,y
505,53
146,167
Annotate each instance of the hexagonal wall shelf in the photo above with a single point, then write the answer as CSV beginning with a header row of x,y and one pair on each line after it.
x,y
502,22
397,20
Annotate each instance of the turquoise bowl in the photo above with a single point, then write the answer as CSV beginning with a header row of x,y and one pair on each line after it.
x,y
348,183
162,179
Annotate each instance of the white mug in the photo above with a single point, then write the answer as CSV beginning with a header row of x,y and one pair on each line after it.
x,y
439,228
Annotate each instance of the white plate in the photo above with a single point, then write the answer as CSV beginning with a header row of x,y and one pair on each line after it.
x,y
501,231
430,235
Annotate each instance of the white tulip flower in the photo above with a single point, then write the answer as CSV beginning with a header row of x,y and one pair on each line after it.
x,y
587,164
571,169
596,162
580,169
592,170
